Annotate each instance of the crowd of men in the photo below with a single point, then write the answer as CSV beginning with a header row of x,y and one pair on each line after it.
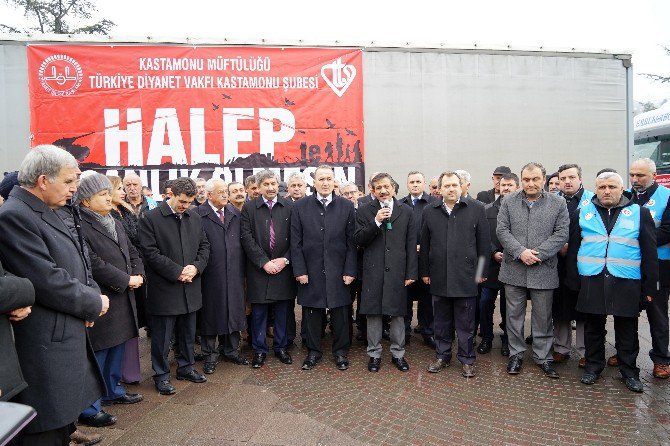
x,y
90,259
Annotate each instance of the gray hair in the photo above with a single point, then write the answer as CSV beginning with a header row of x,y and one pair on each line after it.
x,y
248,181
200,180
607,175
349,184
648,163
264,175
463,175
212,182
45,160
296,176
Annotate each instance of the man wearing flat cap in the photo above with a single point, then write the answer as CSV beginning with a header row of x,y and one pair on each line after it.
x,y
489,196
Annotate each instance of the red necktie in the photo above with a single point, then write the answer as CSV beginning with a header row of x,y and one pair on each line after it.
x,y
272,228
220,212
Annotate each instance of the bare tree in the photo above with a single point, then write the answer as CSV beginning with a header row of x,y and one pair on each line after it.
x,y
58,17
658,77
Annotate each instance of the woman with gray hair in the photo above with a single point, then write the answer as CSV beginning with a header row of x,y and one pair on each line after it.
x,y
118,271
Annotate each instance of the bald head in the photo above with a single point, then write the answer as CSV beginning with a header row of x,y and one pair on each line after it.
x,y
642,174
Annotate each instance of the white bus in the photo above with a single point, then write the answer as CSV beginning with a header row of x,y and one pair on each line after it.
x,y
652,140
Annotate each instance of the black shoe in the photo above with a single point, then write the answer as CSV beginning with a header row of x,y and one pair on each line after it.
x,y
484,347
199,357
310,362
549,370
589,378
633,384
514,365
237,360
529,340
100,419
258,360
192,376
360,336
429,341
386,334
504,347
128,398
401,364
374,364
284,356
165,387
342,362
209,367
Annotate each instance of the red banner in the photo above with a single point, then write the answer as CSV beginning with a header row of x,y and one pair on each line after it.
x,y
200,111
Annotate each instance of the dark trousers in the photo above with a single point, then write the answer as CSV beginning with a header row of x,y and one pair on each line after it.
x,y
259,314
419,292
162,328
626,340
657,314
228,346
487,306
455,313
340,323
53,437
290,323
110,361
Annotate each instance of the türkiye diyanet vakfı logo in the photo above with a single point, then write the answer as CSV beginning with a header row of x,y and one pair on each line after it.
x,y
60,75
338,76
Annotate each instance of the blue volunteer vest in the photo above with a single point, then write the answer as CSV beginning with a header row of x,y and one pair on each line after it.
x,y
586,198
656,205
620,250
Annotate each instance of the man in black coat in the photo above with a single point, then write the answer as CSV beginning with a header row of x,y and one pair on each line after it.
x,y
17,295
489,289
418,199
386,229
324,264
56,357
222,311
454,235
612,261
489,196
175,252
648,193
266,229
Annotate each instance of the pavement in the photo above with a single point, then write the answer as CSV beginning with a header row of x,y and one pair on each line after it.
x,y
283,405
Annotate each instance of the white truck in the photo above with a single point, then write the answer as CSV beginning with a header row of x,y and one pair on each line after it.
x,y
430,107
652,140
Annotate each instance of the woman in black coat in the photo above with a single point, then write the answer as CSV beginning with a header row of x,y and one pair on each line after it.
x,y
118,270
121,210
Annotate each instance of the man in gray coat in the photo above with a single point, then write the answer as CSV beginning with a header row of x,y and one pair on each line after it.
x,y
533,226
55,355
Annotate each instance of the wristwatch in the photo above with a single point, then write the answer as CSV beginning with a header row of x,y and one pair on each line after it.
x,y
286,261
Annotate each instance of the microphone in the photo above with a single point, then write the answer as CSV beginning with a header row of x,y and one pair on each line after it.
x,y
387,221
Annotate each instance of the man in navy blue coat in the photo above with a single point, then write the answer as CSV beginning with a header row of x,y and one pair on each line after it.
x,y
324,264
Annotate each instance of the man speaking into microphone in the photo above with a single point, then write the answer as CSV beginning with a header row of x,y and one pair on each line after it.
x,y
385,228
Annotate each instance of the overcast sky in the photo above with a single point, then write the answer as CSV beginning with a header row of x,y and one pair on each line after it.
x,y
639,27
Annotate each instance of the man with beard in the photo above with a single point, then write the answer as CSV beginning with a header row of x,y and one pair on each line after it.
x,y
200,192
251,187
648,193
385,228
